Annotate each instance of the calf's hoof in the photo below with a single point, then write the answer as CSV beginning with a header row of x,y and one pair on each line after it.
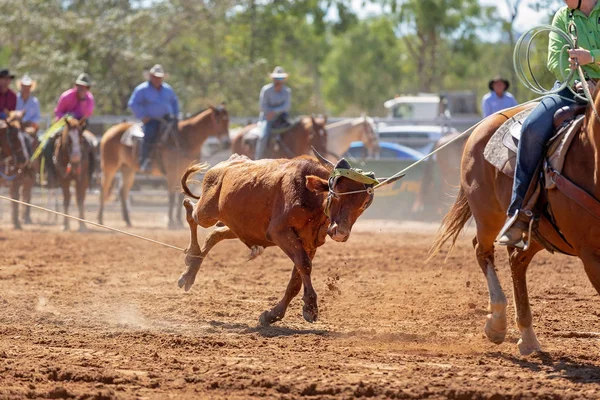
x,y
267,318
255,251
310,313
187,279
494,330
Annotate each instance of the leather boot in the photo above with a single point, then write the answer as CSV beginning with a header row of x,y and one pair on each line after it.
x,y
513,236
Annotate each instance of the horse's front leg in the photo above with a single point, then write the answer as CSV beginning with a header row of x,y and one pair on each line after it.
x,y
15,186
66,188
82,186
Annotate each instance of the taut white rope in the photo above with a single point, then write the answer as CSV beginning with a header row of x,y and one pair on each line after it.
x,y
95,224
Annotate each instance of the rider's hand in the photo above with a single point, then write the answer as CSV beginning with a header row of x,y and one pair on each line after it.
x,y
270,115
591,85
579,57
145,120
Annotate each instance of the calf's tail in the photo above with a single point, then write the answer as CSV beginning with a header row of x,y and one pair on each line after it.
x,y
194,169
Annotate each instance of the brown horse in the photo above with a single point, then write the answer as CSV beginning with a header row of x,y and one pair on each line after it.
x,y
71,163
485,194
297,141
21,187
12,154
193,132
446,164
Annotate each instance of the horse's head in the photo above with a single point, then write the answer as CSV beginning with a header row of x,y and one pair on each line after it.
x,y
220,118
369,134
10,143
71,141
318,133
349,193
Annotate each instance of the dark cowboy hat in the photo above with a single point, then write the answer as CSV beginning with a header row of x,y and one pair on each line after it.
x,y
499,78
4,73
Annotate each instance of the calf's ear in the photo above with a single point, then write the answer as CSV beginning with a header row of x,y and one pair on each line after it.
x,y
316,184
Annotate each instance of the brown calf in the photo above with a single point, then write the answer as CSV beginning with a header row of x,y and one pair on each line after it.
x,y
275,203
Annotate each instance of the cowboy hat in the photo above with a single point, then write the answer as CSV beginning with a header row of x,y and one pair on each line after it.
x,y
279,73
84,80
498,78
158,71
4,73
26,81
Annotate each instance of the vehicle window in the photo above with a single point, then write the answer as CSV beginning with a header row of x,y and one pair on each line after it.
x,y
403,111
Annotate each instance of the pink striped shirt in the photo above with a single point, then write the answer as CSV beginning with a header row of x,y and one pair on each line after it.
x,y
69,103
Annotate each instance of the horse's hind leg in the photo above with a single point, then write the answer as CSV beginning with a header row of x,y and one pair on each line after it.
x,y
128,175
194,254
66,188
519,261
495,327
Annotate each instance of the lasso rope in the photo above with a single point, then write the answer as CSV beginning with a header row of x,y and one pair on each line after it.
x,y
95,224
535,86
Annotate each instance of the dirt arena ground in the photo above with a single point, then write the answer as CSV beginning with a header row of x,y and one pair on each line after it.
x,y
99,316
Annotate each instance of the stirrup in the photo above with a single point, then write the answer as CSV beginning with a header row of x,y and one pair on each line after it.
x,y
520,215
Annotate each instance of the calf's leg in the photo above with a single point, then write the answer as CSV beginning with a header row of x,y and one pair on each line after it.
x,y
287,239
194,254
293,288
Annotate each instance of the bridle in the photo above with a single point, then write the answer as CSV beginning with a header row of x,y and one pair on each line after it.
x,y
352,174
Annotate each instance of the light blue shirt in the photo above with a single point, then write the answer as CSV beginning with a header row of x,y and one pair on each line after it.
x,y
272,100
491,103
31,107
148,102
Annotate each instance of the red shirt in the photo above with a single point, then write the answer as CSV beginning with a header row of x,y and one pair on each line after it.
x,y
8,101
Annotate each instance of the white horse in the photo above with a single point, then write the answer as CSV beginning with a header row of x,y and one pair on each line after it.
x,y
341,134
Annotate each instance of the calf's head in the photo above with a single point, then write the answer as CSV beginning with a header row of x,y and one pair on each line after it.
x,y
349,193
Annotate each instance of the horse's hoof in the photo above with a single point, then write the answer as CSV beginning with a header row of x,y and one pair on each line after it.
x,y
17,227
529,348
83,229
494,334
310,313
27,221
65,229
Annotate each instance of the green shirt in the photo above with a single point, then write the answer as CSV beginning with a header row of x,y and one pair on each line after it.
x,y
588,32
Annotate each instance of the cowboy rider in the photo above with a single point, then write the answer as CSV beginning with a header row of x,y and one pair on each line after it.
x,y
28,104
8,98
498,98
538,127
152,102
275,102
77,101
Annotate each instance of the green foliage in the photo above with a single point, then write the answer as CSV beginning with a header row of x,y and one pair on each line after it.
x,y
223,50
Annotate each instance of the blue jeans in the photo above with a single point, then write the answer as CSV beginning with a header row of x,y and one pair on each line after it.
x,y
151,131
537,129
263,138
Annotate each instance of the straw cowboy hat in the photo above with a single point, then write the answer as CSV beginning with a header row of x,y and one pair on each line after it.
x,y
84,80
157,70
26,81
498,78
279,73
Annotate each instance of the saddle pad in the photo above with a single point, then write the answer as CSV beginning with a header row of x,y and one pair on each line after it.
x,y
501,150
253,134
559,147
132,133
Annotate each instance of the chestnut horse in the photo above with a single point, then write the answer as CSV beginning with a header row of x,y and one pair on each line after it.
x,y
296,141
192,133
485,194
71,163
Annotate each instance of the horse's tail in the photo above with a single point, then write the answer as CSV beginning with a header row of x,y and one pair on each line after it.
x,y
452,224
194,169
